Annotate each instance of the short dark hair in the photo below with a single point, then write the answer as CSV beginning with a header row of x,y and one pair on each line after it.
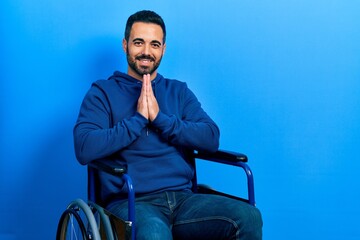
x,y
145,16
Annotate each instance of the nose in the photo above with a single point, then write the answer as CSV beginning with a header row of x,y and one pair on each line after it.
x,y
146,49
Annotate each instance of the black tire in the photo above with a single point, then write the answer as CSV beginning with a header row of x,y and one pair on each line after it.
x,y
70,224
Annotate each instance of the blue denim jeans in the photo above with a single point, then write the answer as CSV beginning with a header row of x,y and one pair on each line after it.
x,y
185,215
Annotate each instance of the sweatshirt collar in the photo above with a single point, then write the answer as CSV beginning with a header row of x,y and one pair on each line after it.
x,y
125,78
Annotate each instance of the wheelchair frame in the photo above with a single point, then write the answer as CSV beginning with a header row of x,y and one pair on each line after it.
x,y
103,221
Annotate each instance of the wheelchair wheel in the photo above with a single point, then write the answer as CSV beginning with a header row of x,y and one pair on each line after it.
x,y
71,226
77,222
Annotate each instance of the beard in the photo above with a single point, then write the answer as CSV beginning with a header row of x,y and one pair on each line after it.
x,y
141,70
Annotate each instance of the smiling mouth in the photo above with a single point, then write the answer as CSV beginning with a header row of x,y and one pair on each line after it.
x,y
145,62
145,59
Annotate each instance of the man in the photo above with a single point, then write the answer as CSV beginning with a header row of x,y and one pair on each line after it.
x,y
148,122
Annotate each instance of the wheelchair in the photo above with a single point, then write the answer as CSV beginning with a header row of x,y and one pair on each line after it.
x,y
89,220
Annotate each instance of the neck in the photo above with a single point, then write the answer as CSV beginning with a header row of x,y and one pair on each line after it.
x,y
139,77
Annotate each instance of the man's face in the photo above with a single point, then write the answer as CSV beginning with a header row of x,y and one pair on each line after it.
x,y
144,50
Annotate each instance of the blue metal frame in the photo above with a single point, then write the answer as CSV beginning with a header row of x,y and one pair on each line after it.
x,y
249,177
131,205
250,181
228,158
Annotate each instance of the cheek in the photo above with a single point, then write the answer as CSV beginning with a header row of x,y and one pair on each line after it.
x,y
131,55
159,54
132,51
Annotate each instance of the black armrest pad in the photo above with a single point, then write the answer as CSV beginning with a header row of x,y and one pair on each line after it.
x,y
222,155
109,167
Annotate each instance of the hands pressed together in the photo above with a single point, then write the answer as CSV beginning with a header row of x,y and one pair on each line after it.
x,y
147,104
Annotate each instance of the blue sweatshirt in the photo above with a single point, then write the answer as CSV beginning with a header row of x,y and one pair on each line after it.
x,y
109,128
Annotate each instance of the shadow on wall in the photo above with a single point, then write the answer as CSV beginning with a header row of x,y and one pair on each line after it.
x,y
53,180
100,57
55,177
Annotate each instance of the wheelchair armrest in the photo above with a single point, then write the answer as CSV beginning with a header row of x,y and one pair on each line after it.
x,y
221,155
108,167
234,159
117,170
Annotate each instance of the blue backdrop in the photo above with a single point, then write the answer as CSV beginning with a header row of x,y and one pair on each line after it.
x,y
281,79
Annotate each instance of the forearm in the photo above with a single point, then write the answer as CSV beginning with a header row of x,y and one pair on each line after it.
x,y
92,142
200,135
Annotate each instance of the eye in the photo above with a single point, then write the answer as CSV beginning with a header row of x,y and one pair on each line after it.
x,y
155,45
138,43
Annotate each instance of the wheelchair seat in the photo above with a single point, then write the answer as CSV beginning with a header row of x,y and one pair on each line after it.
x,y
90,220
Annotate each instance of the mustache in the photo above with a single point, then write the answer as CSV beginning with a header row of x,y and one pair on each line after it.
x,y
143,56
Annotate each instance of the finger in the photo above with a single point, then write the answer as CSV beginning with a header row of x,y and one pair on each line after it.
x,y
150,90
142,106
151,100
143,89
144,83
148,83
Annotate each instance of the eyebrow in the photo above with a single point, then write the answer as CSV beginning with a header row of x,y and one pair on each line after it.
x,y
156,41
138,39
142,40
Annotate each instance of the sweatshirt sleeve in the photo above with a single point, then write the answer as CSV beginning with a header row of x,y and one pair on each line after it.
x,y
194,130
94,137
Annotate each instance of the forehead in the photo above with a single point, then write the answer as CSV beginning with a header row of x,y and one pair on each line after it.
x,y
146,31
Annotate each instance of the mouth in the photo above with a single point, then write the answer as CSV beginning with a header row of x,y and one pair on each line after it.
x,y
145,62
145,59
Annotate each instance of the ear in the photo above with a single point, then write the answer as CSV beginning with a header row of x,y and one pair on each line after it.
x,y
124,45
164,48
